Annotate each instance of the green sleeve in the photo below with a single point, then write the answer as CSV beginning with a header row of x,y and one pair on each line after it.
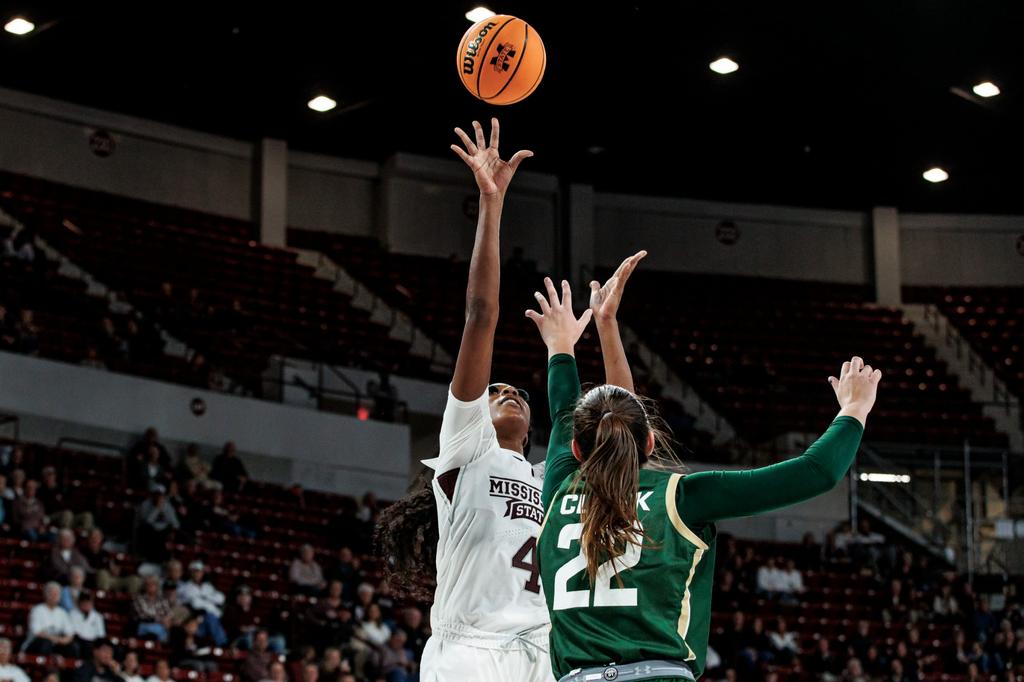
x,y
709,496
563,392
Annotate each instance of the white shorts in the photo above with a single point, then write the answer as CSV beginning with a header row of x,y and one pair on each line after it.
x,y
446,660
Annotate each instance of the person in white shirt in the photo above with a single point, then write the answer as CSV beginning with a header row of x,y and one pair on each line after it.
x,y
769,579
784,642
130,668
475,530
88,624
792,583
49,628
374,630
8,671
203,596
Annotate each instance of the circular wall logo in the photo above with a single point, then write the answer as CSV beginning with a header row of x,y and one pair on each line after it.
x,y
727,233
102,143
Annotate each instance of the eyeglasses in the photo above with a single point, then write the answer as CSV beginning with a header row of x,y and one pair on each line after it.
x,y
495,389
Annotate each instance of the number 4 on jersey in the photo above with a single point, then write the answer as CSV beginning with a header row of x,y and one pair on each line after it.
x,y
520,561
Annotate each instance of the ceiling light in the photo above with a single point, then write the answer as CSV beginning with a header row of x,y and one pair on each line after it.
x,y
723,65
986,89
479,14
936,175
19,26
885,478
322,103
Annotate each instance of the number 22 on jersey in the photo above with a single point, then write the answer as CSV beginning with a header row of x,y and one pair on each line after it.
x,y
604,593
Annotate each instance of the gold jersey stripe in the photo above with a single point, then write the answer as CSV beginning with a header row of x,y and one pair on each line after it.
x,y
684,608
673,514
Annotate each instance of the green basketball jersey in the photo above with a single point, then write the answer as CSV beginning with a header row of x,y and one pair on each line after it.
x,y
661,609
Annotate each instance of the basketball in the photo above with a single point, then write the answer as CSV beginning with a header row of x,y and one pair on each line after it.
x,y
501,59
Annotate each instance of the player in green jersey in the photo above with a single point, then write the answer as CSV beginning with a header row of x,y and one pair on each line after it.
x,y
626,553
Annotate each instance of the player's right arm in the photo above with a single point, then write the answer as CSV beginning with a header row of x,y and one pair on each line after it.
x,y
714,495
465,423
560,330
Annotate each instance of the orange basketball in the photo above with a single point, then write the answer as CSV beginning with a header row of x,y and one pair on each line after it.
x,y
501,60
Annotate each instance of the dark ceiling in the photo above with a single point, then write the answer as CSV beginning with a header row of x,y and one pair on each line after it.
x,y
835,104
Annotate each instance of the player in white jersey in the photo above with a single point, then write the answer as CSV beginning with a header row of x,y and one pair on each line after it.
x,y
489,620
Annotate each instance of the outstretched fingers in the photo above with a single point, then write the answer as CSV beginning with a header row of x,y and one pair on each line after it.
x,y
470,147
518,157
494,132
479,131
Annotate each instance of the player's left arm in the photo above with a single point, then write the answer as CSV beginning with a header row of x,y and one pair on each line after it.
x,y
604,302
560,330
714,495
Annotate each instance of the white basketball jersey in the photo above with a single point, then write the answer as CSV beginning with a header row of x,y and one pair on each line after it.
x,y
489,515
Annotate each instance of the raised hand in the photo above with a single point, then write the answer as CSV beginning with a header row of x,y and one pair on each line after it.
x,y
856,388
604,300
492,174
557,324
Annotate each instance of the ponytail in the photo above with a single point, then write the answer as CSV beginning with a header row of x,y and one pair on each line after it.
x,y
611,471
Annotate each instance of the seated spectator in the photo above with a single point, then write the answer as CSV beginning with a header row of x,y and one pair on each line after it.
x,y
148,471
185,649
26,334
945,605
791,583
200,595
854,672
30,514
107,570
824,664
88,624
130,668
364,598
310,673
161,671
192,467
53,495
156,521
769,580
70,593
137,453
332,618
277,673
257,662
374,630
229,470
152,611
9,672
63,557
333,666
241,622
346,570
220,519
305,573
416,632
12,456
396,663
49,627
784,643
102,667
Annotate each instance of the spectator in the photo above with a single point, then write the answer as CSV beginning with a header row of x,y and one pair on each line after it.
x,y
415,631
396,663
185,649
305,573
277,673
63,557
333,666
824,664
769,580
784,643
346,570
945,605
161,671
791,583
70,593
139,450
152,611
374,630
130,668
229,470
106,567
26,334
257,662
30,514
9,672
49,627
102,667
364,598
88,624
148,471
310,672
53,495
241,622
331,618
191,466
156,521
854,672
202,596
221,520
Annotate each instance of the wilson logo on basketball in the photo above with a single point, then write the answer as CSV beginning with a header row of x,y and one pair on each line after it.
x,y
506,53
469,59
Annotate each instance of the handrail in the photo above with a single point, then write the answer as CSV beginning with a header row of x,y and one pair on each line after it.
x,y
97,444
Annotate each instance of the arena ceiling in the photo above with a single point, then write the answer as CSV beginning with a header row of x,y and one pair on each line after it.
x,y
842,105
